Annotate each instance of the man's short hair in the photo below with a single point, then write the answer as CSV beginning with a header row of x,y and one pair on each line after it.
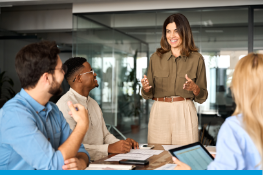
x,y
73,65
33,60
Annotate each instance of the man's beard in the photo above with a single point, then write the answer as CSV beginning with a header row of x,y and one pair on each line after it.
x,y
56,88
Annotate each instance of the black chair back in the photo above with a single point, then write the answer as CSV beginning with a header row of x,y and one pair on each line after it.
x,y
2,102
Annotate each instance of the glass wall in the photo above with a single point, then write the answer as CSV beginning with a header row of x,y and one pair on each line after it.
x,y
113,41
258,30
119,60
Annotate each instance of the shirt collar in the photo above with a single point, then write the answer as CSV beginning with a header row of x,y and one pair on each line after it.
x,y
169,54
80,98
35,105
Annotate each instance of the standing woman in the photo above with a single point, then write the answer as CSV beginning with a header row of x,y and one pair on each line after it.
x,y
176,76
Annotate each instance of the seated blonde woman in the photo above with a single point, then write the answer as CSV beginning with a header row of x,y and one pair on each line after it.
x,y
240,141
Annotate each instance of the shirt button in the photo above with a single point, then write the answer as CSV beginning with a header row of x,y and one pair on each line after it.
x,y
48,139
44,109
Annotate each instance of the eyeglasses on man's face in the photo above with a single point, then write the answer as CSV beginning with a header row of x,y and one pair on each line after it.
x,y
85,73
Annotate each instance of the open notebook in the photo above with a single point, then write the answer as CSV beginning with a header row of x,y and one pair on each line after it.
x,y
109,167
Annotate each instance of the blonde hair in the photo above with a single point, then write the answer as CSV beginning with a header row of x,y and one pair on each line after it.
x,y
247,88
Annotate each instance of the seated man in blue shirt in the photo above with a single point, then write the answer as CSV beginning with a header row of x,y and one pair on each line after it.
x,y
33,132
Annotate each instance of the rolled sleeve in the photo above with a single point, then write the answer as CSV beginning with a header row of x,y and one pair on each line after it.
x,y
201,82
147,95
59,161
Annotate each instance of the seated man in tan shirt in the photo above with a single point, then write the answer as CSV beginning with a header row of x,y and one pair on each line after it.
x,y
97,141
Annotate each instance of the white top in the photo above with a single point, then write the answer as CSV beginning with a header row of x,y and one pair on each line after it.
x,y
97,138
235,148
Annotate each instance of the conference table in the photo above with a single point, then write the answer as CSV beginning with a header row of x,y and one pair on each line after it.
x,y
155,161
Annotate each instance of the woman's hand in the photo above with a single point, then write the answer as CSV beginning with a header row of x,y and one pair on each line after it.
x,y
181,165
145,84
191,86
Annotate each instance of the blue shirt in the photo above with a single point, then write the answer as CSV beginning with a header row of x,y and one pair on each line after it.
x,y
235,149
30,135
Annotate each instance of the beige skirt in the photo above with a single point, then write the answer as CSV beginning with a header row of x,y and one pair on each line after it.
x,y
173,123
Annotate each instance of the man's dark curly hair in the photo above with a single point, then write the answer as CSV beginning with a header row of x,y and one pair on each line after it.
x,y
33,60
73,65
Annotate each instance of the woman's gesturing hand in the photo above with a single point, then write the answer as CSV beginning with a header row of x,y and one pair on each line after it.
x,y
145,84
191,86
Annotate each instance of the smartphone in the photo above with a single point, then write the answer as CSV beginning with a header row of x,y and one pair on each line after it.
x,y
145,146
136,162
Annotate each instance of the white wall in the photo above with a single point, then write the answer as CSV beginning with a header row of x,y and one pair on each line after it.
x,y
156,4
37,20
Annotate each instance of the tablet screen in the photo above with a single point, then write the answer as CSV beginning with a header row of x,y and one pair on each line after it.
x,y
196,157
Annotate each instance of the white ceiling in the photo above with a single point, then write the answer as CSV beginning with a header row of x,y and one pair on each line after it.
x,y
189,2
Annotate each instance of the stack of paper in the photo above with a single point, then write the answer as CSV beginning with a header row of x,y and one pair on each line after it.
x,y
166,167
109,167
141,151
135,154
119,157
167,147
211,149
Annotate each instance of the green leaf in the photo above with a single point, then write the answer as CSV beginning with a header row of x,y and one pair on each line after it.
x,y
6,85
11,92
11,82
1,75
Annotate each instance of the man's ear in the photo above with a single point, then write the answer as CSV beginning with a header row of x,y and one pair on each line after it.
x,y
46,78
78,79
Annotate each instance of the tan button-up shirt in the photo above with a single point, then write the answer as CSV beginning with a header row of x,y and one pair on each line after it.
x,y
166,75
97,138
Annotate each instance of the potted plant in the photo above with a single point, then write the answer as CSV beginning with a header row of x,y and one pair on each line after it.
x,y
6,87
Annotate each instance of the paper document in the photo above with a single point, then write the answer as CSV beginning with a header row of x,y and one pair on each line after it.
x,y
142,151
167,147
135,154
109,167
211,149
119,157
166,167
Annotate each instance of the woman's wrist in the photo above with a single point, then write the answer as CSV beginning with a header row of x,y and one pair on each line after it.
x,y
196,91
146,90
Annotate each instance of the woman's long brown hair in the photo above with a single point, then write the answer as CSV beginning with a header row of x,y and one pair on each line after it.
x,y
185,33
